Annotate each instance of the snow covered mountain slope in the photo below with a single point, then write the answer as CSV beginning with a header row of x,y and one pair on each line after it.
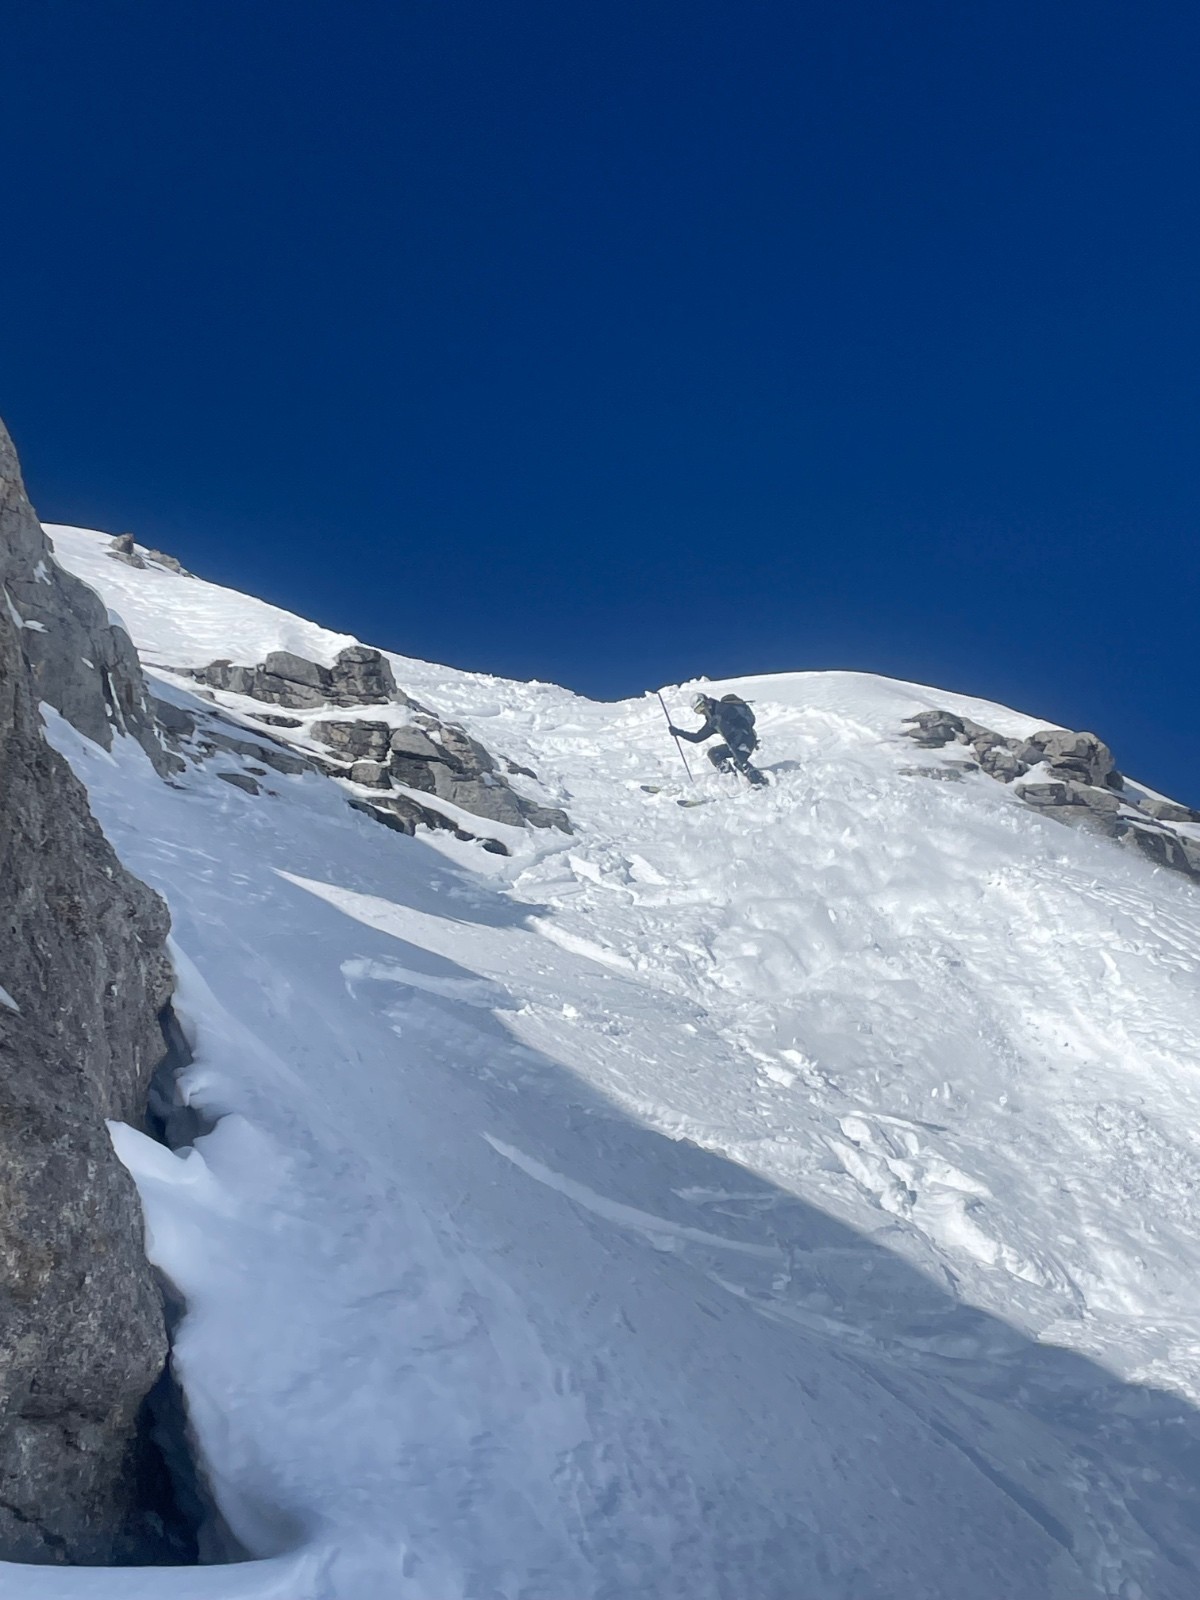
x,y
796,1195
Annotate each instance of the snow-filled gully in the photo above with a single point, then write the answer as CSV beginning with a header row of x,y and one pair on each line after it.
x,y
796,1195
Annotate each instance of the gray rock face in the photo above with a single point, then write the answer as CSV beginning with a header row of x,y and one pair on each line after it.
x,y
1165,849
240,780
413,742
82,953
356,741
429,756
82,664
289,679
359,677
1077,782
1079,756
272,755
371,774
933,729
363,677
999,762
438,759
1168,810
122,548
404,815
159,558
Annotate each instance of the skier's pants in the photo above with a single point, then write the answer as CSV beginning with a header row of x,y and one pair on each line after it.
x,y
723,758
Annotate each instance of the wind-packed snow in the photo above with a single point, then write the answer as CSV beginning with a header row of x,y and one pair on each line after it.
x,y
795,1195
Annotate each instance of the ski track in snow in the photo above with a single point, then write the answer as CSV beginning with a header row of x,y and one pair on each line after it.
x,y
795,1195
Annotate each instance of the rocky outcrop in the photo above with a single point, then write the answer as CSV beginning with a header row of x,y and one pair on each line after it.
x,y
356,741
123,548
1069,776
82,661
432,757
85,978
359,677
439,759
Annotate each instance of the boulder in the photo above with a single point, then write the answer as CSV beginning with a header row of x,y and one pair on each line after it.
x,y
999,762
359,677
224,675
240,780
1165,848
483,796
1045,794
415,772
372,774
289,680
1167,810
1081,756
424,755
1101,801
467,755
413,741
122,548
443,760
363,677
932,729
544,816
161,559
357,741
173,721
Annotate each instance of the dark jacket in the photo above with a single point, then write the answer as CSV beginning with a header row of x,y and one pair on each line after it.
x,y
733,720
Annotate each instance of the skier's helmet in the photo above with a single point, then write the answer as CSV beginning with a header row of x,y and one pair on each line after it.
x,y
701,703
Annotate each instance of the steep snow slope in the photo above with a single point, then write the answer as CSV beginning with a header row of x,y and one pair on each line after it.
x,y
795,1195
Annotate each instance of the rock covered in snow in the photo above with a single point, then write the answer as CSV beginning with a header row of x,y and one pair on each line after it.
x,y
82,660
123,549
1079,756
356,741
371,774
359,677
1070,776
438,759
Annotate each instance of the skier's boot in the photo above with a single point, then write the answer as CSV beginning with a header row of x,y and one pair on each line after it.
x,y
752,775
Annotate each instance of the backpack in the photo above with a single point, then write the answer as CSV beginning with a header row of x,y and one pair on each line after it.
x,y
735,719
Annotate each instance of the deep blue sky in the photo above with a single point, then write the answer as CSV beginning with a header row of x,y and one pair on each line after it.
x,y
613,343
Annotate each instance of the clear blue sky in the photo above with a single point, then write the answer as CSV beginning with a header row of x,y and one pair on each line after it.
x,y
613,343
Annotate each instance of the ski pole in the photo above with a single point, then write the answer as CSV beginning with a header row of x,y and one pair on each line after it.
x,y
675,736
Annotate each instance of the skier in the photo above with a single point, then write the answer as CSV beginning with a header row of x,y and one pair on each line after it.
x,y
733,719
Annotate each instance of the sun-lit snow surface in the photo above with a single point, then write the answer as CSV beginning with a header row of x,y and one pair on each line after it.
x,y
794,1196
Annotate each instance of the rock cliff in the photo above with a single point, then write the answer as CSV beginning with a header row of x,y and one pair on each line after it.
x,y
83,979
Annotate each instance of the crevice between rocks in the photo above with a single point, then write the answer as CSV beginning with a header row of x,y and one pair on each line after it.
x,y
176,1499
